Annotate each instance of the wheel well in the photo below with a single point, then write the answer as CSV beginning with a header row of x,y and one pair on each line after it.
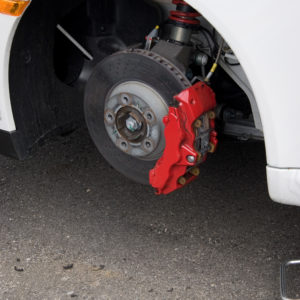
x,y
47,73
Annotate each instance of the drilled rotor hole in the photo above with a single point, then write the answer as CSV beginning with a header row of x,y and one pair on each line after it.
x,y
149,117
148,145
110,117
123,144
125,99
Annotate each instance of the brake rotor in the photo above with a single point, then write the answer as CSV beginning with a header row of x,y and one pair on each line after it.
x,y
126,98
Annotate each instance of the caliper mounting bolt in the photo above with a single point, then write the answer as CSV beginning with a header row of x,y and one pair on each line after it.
x,y
195,171
182,180
191,159
197,124
212,115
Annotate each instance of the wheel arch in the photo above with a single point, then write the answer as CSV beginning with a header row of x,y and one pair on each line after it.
x,y
252,30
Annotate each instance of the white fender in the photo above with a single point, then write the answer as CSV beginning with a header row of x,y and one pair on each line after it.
x,y
265,36
8,27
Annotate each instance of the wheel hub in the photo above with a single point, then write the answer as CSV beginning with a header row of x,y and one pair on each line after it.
x,y
133,119
131,124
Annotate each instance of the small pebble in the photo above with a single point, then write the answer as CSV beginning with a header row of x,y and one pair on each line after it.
x,y
19,269
98,268
72,295
64,278
68,267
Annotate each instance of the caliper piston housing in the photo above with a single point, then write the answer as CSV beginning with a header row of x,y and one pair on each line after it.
x,y
190,135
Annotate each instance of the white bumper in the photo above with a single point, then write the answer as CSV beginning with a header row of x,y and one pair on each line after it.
x,y
284,185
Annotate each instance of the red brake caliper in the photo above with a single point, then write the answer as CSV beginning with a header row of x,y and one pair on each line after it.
x,y
190,136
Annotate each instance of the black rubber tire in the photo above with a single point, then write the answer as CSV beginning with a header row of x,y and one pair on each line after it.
x,y
129,65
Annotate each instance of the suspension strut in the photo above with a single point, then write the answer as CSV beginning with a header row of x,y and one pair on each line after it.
x,y
184,21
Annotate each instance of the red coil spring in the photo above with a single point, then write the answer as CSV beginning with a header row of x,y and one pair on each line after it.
x,y
187,18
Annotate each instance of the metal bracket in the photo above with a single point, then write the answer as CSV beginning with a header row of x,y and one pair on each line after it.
x,y
283,289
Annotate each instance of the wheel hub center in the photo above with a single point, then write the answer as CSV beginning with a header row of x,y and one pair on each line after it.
x,y
131,124
133,120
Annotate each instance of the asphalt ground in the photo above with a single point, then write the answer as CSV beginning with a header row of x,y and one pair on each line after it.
x,y
72,227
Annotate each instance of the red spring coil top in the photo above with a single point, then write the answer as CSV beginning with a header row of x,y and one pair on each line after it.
x,y
181,2
183,17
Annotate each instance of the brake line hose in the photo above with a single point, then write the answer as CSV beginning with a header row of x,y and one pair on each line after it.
x,y
215,65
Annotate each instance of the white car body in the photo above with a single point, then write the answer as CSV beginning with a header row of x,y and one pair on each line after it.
x,y
264,35
8,26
